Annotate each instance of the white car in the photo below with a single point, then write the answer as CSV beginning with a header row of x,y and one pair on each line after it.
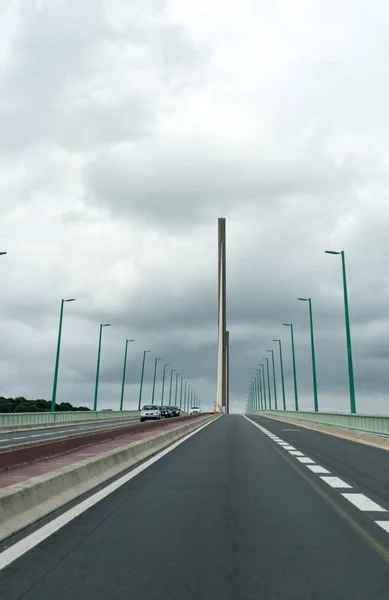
x,y
151,412
194,410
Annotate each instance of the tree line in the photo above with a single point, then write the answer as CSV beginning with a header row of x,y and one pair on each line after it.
x,y
20,404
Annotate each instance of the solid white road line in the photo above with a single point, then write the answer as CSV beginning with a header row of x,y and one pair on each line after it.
x,y
317,469
363,502
11,554
336,482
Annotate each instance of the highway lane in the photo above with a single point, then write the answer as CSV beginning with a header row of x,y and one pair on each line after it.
x,y
362,466
227,514
48,433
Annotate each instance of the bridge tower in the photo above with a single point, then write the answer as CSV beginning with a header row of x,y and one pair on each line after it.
x,y
222,393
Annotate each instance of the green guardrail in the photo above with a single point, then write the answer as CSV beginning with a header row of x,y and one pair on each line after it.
x,y
371,423
50,418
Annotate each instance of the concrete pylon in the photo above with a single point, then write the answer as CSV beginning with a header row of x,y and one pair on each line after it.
x,y
222,375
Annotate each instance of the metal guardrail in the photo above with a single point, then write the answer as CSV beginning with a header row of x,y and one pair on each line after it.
x,y
371,423
49,418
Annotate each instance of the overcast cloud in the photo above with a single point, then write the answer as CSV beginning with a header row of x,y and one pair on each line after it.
x,y
127,129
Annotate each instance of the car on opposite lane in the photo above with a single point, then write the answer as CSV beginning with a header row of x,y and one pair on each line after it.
x,y
166,411
195,410
150,412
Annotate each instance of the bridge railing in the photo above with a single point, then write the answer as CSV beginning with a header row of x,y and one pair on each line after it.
x,y
371,423
51,418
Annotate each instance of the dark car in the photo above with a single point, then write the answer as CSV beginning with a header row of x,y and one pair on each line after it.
x,y
175,411
166,411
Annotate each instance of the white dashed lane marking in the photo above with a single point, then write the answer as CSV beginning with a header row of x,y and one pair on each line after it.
x,y
305,460
363,502
335,482
317,469
360,501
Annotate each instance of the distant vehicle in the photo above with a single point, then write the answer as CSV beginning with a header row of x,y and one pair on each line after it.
x,y
166,411
150,412
175,411
194,410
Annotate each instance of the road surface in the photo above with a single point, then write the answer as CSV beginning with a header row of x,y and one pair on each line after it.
x,y
229,513
47,433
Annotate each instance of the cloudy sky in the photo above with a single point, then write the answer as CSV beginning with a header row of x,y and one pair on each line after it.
x,y
128,128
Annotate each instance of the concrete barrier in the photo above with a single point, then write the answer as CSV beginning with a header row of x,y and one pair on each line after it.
x,y
42,419
24,503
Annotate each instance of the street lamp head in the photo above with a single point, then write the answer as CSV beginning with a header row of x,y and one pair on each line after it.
x,y
2,253
269,350
275,340
303,299
287,324
106,325
69,300
331,252
130,340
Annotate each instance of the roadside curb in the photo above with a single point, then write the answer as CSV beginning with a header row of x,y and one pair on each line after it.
x,y
24,503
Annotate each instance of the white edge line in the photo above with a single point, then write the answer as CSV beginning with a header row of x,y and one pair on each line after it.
x,y
11,554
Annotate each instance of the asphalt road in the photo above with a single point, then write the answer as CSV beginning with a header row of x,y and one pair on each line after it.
x,y
47,433
228,514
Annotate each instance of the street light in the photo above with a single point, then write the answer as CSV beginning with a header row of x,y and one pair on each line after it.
x,y
182,380
163,382
282,373
141,378
175,394
268,379
2,253
171,385
296,400
155,374
348,333
124,373
274,378
255,393
264,384
185,395
54,394
259,383
315,396
98,363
